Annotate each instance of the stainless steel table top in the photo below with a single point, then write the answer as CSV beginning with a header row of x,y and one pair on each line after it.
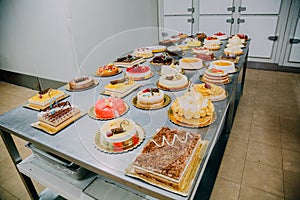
x,y
76,142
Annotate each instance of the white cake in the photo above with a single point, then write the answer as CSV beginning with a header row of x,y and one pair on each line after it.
x,y
170,69
200,50
173,82
225,65
143,52
150,97
213,40
119,134
220,35
233,51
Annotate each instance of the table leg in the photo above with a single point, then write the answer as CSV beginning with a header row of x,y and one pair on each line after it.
x,y
16,158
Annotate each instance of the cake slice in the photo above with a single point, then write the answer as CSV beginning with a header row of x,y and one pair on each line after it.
x,y
121,87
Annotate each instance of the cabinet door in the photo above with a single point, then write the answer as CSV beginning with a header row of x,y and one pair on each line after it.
x,y
211,24
215,6
295,49
259,28
261,7
177,7
175,24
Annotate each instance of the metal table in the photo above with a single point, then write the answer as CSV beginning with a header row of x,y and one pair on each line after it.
x,y
76,142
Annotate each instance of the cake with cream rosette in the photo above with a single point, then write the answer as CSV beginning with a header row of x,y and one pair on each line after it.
x,y
193,109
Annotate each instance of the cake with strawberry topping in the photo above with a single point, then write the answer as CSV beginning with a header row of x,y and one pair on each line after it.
x,y
108,108
138,72
150,98
215,76
220,35
212,39
107,70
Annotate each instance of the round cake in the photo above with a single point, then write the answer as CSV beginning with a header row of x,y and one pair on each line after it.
x,y
191,42
214,40
150,98
170,69
137,72
119,134
215,76
191,63
161,60
225,65
235,41
233,51
210,91
205,56
107,70
173,82
193,109
212,46
81,83
143,52
220,35
201,36
198,50
108,108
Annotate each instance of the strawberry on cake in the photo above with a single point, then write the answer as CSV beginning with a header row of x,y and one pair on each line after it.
x,y
138,72
107,70
220,35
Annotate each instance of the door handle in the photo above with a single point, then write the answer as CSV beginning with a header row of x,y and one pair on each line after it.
x,y
232,9
191,20
273,38
242,9
239,21
192,10
294,41
231,21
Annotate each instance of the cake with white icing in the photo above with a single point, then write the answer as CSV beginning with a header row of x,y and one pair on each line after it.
x,y
143,52
191,63
118,135
150,98
175,81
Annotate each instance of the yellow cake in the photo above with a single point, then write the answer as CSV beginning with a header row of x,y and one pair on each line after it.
x,y
43,98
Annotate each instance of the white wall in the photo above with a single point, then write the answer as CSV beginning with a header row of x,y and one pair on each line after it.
x,y
62,39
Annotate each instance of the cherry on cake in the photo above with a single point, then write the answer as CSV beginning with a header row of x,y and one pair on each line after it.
x,y
120,87
193,109
225,65
191,63
108,108
143,52
220,35
119,135
107,70
45,97
81,83
137,72
173,82
215,76
210,91
150,98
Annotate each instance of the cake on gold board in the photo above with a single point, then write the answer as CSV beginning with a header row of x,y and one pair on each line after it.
x,y
44,98
170,160
192,110
150,99
108,70
120,87
119,135
211,91
57,117
143,53
173,82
